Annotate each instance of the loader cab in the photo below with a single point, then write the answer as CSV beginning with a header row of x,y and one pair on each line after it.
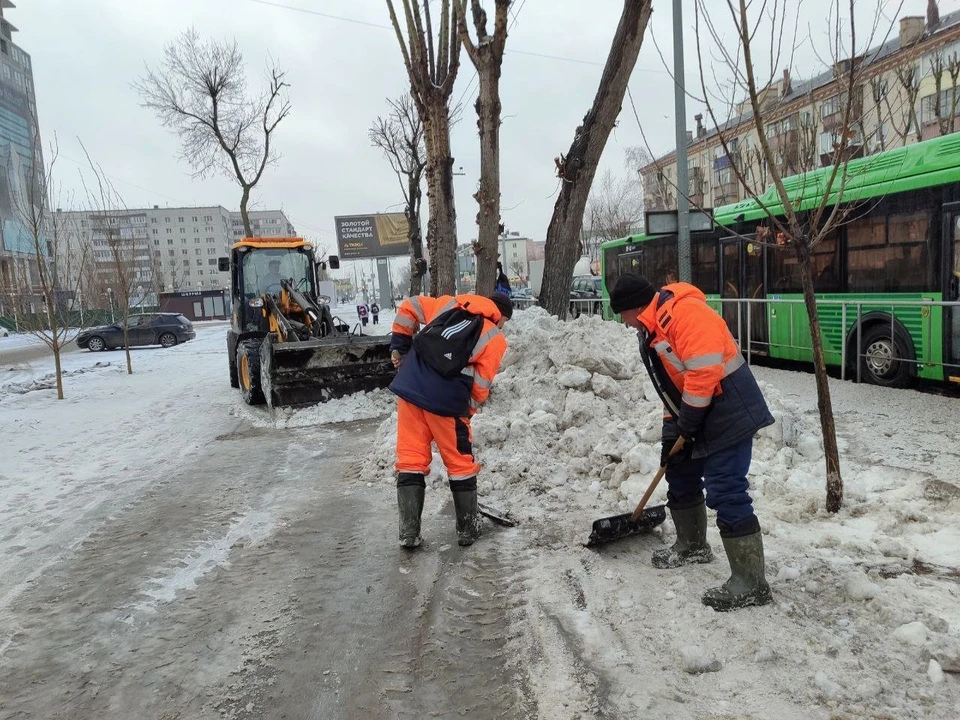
x,y
257,266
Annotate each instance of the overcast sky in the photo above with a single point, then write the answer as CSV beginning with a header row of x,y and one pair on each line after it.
x,y
86,54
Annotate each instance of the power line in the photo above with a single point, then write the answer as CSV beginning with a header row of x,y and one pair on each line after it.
x,y
380,26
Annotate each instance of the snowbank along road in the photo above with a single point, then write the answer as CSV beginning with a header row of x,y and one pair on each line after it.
x,y
169,553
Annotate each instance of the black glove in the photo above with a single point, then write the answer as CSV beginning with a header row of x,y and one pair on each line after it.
x,y
681,456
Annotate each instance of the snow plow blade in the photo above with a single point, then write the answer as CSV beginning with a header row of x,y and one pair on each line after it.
x,y
608,529
295,374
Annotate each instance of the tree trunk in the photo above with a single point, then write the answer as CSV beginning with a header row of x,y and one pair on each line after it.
x,y
54,343
125,315
488,196
828,428
442,227
413,233
578,168
244,215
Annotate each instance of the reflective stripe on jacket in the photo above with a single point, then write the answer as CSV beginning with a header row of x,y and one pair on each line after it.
x,y
708,387
419,384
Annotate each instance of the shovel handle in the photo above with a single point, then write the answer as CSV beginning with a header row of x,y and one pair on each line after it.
x,y
677,447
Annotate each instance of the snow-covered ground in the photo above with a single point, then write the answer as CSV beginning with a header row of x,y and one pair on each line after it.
x,y
866,621
866,613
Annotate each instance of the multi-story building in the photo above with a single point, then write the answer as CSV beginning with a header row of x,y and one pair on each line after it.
x,y
182,245
263,223
907,90
21,159
514,255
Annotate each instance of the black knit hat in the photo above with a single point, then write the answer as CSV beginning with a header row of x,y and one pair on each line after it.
x,y
504,304
631,292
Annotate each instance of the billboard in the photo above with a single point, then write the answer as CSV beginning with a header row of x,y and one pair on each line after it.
x,y
371,236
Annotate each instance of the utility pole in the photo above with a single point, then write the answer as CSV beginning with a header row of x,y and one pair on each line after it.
x,y
683,184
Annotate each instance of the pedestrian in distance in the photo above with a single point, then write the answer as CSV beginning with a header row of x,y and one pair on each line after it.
x,y
363,313
503,283
447,351
713,402
375,312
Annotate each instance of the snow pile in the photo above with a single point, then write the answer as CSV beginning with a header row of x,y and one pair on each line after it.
x,y
360,406
574,417
49,381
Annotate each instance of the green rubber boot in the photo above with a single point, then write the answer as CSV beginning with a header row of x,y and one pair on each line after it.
x,y
747,585
469,522
410,492
691,545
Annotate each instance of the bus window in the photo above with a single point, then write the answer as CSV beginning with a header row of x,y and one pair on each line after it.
x,y
890,254
704,262
660,261
611,271
631,262
826,264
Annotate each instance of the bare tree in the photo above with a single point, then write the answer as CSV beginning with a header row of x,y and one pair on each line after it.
x,y
577,168
794,229
614,210
432,72
199,91
122,262
945,98
50,273
399,136
517,268
486,54
903,114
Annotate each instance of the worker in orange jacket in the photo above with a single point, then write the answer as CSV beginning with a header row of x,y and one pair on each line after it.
x,y
437,396
713,402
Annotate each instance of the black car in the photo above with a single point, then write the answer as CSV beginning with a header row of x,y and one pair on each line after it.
x,y
166,329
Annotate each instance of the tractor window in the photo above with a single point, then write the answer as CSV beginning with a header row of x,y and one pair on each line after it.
x,y
264,269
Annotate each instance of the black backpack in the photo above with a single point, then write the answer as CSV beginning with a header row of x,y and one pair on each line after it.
x,y
447,342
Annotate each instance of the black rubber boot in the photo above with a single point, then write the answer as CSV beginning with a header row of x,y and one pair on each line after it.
x,y
747,585
691,545
469,522
410,492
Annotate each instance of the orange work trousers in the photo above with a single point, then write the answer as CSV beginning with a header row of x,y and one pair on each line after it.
x,y
416,428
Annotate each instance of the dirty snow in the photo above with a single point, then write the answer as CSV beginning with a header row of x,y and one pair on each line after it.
x,y
864,599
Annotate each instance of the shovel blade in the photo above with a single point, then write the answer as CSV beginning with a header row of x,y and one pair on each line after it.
x,y
608,529
497,516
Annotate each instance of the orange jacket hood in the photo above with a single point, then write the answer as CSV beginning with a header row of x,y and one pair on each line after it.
x,y
677,291
479,305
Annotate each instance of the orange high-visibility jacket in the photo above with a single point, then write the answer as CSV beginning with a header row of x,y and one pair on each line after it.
x,y
709,389
417,383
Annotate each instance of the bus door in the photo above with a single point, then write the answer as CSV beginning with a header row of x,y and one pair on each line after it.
x,y
951,291
742,276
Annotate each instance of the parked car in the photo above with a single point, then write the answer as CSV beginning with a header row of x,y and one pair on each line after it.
x,y
582,289
164,329
523,294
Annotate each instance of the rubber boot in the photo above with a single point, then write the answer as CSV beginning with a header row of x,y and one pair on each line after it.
x,y
410,492
691,545
747,585
469,522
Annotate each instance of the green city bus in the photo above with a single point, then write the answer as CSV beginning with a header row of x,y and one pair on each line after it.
x,y
882,277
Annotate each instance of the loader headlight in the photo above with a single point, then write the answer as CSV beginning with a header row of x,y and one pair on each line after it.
x,y
256,302
325,299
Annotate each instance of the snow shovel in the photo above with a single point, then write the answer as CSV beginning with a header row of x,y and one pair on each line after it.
x,y
500,518
640,521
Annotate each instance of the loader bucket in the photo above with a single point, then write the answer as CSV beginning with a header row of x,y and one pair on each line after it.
x,y
294,374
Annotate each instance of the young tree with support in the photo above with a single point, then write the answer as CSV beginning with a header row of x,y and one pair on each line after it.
x,y
432,66
199,91
486,54
791,228
119,271
399,136
52,269
576,169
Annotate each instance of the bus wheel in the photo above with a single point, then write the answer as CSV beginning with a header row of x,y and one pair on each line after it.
x,y
884,360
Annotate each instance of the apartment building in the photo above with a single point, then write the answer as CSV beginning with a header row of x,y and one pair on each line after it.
x,y
907,91
171,249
